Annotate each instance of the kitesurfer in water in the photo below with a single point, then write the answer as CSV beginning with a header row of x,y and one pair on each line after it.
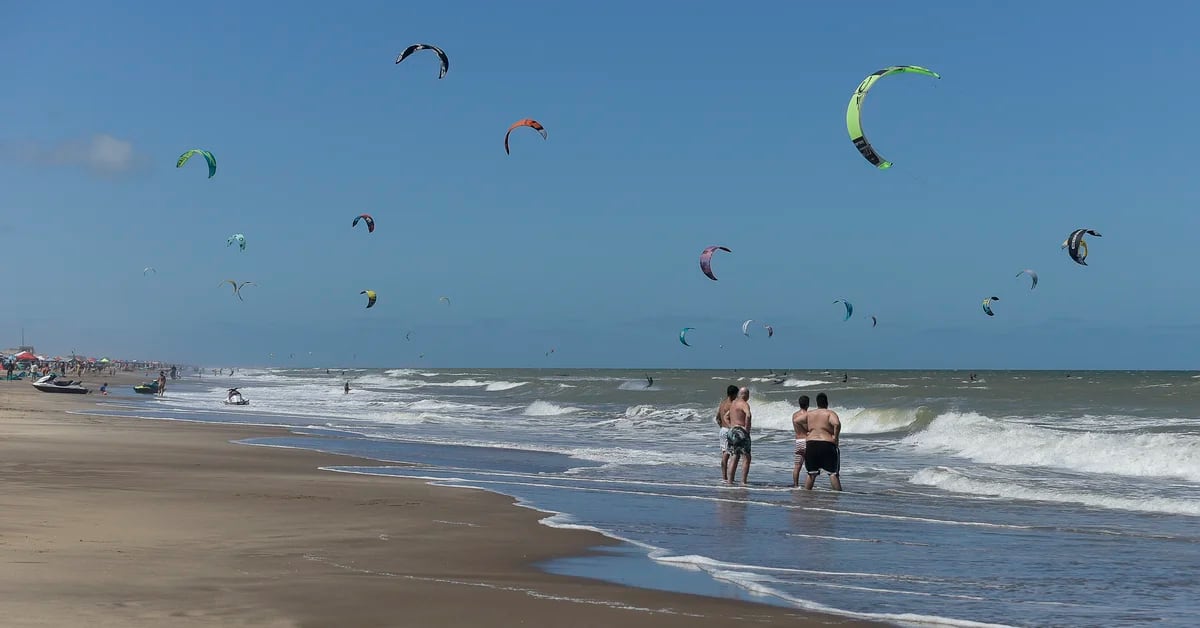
x,y
723,423
739,434
347,389
821,444
800,427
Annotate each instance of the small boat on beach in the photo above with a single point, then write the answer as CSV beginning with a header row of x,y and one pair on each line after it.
x,y
51,384
146,388
235,398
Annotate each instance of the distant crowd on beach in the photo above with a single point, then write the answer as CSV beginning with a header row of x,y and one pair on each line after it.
x,y
816,446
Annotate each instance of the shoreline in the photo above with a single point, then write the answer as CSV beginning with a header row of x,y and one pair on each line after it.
x,y
123,521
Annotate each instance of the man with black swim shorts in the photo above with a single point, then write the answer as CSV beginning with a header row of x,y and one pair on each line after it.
x,y
821,445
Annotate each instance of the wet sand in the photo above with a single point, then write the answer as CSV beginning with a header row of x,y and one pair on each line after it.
x,y
127,522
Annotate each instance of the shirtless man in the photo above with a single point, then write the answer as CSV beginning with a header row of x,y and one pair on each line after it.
x,y
723,424
800,426
821,444
739,434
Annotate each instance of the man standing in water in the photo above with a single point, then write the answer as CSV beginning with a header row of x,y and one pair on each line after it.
x,y
800,426
723,433
821,446
739,434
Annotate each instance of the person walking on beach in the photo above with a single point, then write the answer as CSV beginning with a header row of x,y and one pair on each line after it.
x,y
347,389
723,428
162,383
739,434
821,446
800,426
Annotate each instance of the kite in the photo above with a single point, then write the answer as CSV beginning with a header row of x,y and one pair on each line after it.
x,y
706,260
1076,246
849,308
534,124
746,327
987,305
212,161
408,335
854,111
148,269
770,330
366,217
237,287
239,238
683,335
370,297
446,299
441,55
874,321
1032,275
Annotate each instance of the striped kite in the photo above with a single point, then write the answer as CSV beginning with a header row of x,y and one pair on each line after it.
x,y
1076,246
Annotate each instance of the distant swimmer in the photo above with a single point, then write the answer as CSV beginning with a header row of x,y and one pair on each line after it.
x,y
821,445
845,378
723,423
972,377
739,434
347,389
800,427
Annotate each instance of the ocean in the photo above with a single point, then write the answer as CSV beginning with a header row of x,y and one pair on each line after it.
x,y
1036,498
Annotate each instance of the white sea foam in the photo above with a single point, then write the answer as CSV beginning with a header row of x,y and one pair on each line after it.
x,y
950,480
545,408
983,439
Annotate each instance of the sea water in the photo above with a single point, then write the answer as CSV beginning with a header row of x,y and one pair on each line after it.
x,y
1019,498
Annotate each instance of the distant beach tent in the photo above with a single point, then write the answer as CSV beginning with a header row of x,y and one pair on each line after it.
x,y
104,360
25,356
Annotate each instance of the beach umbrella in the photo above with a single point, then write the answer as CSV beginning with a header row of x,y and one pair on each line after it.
x,y
24,356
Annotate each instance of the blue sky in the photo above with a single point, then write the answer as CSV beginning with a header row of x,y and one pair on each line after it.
x,y
672,126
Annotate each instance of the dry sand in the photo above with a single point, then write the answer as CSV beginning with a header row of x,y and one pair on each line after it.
x,y
128,522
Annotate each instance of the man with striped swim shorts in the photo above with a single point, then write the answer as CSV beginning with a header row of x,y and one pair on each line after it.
x,y
723,423
800,426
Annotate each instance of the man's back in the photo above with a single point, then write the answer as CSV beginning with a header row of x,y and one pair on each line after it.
x,y
739,414
823,424
723,412
800,423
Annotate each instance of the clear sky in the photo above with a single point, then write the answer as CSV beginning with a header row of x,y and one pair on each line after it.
x,y
672,126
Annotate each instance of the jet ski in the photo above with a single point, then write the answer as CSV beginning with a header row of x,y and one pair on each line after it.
x,y
146,388
51,384
235,398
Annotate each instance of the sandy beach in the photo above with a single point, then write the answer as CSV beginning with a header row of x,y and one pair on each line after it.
x,y
128,522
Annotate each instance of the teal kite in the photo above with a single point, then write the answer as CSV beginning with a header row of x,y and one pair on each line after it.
x,y
212,161
849,308
854,111
987,305
237,237
683,335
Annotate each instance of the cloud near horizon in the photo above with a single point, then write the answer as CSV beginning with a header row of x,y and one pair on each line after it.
x,y
101,154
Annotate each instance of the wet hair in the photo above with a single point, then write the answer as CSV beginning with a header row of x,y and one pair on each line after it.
x,y
803,402
731,391
822,401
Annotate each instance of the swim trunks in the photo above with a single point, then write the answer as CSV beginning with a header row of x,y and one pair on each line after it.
x,y
821,454
739,441
800,447
723,436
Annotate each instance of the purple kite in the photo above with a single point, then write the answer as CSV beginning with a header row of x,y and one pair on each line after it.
x,y
706,260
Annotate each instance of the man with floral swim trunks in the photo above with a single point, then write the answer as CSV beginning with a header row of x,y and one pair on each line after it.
x,y
723,422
